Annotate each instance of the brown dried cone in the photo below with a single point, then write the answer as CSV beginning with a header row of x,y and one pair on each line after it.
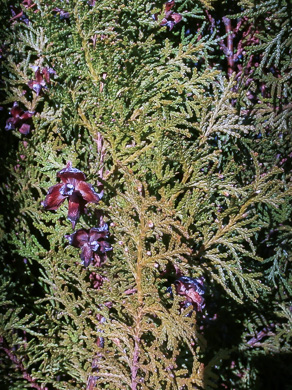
x,y
92,242
19,119
170,18
42,78
192,289
73,187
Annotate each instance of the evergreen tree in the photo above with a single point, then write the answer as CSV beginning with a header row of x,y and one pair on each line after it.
x,y
146,196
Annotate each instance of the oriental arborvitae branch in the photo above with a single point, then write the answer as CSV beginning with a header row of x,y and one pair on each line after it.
x,y
224,229
85,48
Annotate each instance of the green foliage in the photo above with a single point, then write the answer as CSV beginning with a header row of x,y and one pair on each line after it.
x,y
196,183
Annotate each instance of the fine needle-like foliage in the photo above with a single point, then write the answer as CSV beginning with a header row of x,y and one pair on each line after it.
x,y
146,193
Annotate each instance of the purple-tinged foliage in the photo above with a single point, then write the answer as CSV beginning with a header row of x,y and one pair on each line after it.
x,y
63,14
17,12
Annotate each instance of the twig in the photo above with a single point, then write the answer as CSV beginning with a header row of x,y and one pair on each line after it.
x,y
230,37
135,361
263,333
21,367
